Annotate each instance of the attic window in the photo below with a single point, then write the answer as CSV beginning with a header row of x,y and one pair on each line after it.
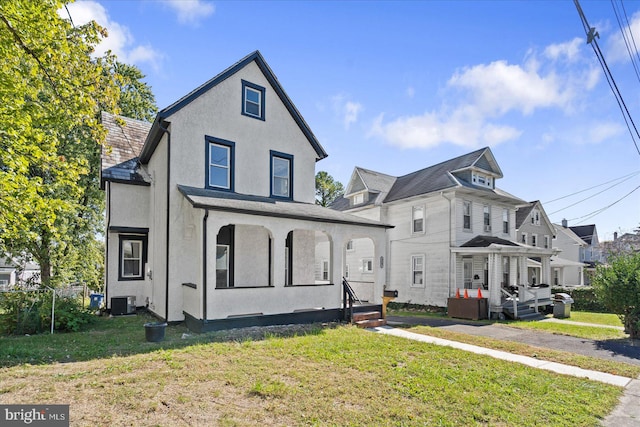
x,y
481,180
358,198
253,100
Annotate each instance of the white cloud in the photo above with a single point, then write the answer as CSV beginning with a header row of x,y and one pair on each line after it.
x,y
119,41
569,51
476,98
191,11
616,50
348,111
599,132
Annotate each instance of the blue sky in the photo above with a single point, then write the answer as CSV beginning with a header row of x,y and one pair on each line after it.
x,y
399,86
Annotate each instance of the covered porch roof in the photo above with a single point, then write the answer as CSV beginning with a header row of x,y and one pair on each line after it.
x,y
492,244
264,206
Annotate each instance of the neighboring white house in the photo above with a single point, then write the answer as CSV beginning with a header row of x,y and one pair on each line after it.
x,y
13,271
454,230
571,247
211,214
533,227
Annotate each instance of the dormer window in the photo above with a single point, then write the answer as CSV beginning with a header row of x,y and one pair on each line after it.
x,y
252,100
481,180
358,198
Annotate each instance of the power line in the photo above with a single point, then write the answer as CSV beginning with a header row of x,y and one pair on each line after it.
x,y
626,38
592,196
635,47
592,36
599,211
591,188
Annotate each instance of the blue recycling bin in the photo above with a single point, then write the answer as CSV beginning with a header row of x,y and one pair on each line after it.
x,y
95,301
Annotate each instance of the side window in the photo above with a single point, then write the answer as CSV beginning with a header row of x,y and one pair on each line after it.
x,y
505,221
133,256
417,270
466,215
417,219
253,100
367,265
219,164
281,175
487,218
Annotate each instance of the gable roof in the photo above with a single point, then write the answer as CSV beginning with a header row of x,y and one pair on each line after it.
x,y
585,232
439,177
161,121
125,139
570,234
523,212
373,181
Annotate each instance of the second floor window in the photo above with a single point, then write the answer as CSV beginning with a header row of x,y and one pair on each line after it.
x,y
466,215
219,164
281,175
524,238
505,221
417,219
487,218
534,240
546,242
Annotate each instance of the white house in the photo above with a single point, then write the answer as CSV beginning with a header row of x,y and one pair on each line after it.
x,y
14,271
211,215
573,249
454,230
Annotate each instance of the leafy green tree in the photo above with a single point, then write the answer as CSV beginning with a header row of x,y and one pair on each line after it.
x,y
617,285
327,189
50,137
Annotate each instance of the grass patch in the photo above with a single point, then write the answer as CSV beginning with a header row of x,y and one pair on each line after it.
x,y
605,319
341,376
588,332
568,358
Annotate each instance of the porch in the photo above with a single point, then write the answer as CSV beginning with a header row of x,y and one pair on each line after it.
x,y
513,276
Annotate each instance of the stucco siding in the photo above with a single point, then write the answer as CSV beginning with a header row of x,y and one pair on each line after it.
x,y
251,256
217,113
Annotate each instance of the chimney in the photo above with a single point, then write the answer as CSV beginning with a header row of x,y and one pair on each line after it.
x,y
564,223
615,236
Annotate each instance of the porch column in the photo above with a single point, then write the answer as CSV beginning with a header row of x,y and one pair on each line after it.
x,y
494,283
545,276
522,265
513,271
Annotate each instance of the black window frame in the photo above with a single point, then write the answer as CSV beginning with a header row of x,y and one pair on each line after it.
x,y
143,239
261,106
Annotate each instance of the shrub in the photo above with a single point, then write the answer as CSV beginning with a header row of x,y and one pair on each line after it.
x,y
617,285
584,299
29,312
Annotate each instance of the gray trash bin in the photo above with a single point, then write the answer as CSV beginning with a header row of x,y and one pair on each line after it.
x,y
562,305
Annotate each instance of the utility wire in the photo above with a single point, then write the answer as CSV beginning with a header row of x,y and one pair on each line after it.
x,y
592,36
592,196
635,47
625,38
591,188
599,211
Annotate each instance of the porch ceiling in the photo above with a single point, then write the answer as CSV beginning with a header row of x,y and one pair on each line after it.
x,y
264,206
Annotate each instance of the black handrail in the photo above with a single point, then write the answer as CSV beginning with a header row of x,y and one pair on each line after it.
x,y
348,298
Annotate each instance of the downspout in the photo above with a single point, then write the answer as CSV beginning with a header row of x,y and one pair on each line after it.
x,y
204,265
166,293
450,231
106,245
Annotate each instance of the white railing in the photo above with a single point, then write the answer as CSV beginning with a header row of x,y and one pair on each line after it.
x,y
513,300
528,293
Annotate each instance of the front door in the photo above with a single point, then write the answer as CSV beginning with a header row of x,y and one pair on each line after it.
x,y
467,272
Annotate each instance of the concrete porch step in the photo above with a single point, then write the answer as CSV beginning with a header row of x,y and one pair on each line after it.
x,y
371,323
366,315
368,319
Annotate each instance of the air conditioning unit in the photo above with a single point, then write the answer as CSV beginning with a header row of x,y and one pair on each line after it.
x,y
487,228
123,305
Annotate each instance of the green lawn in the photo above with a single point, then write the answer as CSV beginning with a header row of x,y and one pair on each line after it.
x,y
605,319
588,332
337,376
